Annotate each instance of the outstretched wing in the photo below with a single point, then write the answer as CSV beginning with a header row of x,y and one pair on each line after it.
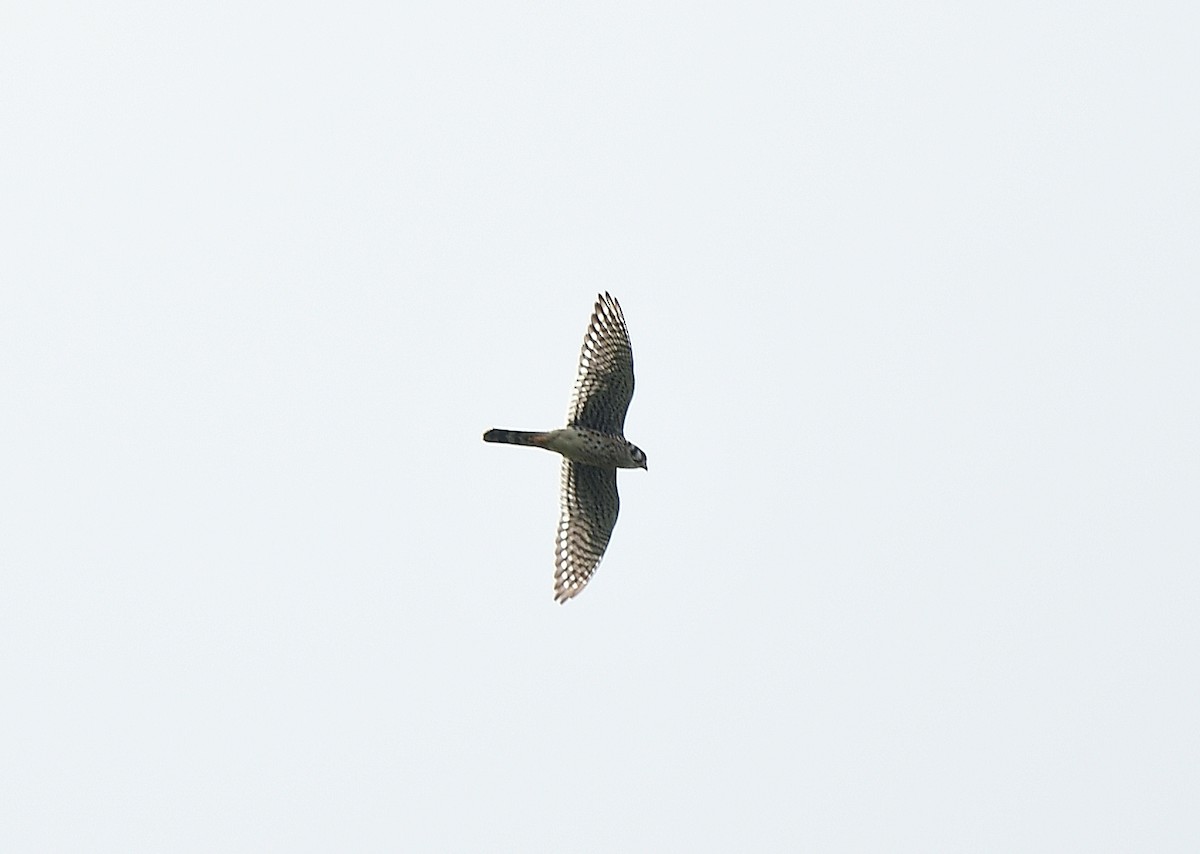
x,y
589,513
604,385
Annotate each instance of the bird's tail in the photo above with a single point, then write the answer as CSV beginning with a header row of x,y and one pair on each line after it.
x,y
514,437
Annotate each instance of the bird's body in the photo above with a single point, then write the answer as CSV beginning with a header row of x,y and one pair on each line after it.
x,y
577,444
593,447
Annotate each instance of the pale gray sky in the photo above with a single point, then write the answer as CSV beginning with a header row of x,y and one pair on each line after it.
x,y
913,293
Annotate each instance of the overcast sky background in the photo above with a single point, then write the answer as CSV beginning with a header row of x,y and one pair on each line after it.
x,y
914,295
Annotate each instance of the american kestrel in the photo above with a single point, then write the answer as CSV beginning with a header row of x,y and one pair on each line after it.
x,y
593,447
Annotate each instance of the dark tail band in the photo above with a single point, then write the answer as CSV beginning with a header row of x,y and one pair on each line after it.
x,y
511,437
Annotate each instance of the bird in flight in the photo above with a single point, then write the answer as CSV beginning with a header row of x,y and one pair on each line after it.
x,y
593,446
